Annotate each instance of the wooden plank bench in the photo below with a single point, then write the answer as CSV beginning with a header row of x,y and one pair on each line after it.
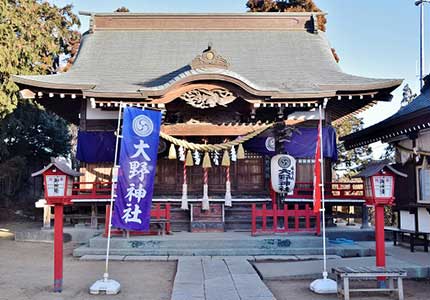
x,y
414,236
343,274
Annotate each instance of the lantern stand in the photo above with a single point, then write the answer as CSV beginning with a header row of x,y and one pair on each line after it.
x,y
58,184
379,182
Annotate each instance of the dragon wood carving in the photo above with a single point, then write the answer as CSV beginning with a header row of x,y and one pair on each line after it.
x,y
204,98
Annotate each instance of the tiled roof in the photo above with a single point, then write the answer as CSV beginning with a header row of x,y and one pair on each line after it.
x,y
132,61
411,118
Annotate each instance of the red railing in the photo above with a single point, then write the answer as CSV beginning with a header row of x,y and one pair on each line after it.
x,y
302,218
157,213
333,190
302,190
91,190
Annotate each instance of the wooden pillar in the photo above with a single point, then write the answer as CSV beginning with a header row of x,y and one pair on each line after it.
x,y
94,216
58,248
46,216
364,217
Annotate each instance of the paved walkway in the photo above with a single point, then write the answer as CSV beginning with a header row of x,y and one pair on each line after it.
x,y
416,264
201,278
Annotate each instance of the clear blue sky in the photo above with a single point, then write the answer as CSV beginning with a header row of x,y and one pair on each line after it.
x,y
374,38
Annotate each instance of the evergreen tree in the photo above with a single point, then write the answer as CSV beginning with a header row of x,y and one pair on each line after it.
x,y
122,9
33,133
351,161
33,34
287,6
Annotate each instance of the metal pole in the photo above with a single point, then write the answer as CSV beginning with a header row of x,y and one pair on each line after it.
x,y
325,274
113,194
421,45
420,3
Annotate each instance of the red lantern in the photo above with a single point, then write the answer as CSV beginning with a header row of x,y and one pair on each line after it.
x,y
58,183
379,181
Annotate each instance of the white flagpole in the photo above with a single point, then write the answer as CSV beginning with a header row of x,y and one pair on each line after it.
x,y
324,285
323,196
106,285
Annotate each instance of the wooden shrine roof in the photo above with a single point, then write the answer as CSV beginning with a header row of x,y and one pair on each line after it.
x,y
270,55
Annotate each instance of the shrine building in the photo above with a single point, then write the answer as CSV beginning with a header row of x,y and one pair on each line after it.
x,y
219,79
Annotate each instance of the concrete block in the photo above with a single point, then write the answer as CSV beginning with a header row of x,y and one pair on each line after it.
x,y
317,257
260,258
145,258
102,257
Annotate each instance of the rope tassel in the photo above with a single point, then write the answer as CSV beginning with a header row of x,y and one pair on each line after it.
x,y
189,159
240,152
225,159
172,152
206,161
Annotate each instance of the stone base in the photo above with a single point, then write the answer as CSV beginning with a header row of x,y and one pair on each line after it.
x,y
207,227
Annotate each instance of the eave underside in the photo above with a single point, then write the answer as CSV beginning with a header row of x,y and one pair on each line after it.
x,y
407,125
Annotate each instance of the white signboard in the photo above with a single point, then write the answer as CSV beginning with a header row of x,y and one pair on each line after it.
x,y
55,185
383,186
283,173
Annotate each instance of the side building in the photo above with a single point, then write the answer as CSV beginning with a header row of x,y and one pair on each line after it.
x,y
408,131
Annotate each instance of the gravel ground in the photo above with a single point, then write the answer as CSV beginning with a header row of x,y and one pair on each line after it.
x,y
26,272
299,289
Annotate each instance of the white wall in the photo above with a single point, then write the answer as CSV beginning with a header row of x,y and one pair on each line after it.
x,y
97,113
423,220
407,220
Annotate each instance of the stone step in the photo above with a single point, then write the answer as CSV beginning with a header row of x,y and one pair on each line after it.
x,y
341,251
166,243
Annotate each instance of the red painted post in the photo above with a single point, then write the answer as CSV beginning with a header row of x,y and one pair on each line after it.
x,y
307,218
254,220
168,218
107,217
285,217
318,223
380,236
296,217
275,217
263,215
58,247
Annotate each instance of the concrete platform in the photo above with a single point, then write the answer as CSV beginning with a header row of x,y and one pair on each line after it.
x,y
218,244
75,234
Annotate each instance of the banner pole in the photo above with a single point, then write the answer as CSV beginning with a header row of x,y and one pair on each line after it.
x,y
107,285
323,197
323,285
113,195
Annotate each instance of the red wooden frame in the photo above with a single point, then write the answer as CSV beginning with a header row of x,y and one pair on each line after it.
x,y
302,190
264,213
333,190
157,212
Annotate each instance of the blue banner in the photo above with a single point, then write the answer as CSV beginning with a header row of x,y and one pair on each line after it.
x,y
301,145
137,160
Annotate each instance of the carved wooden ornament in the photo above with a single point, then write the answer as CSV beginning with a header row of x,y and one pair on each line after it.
x,y
204,98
